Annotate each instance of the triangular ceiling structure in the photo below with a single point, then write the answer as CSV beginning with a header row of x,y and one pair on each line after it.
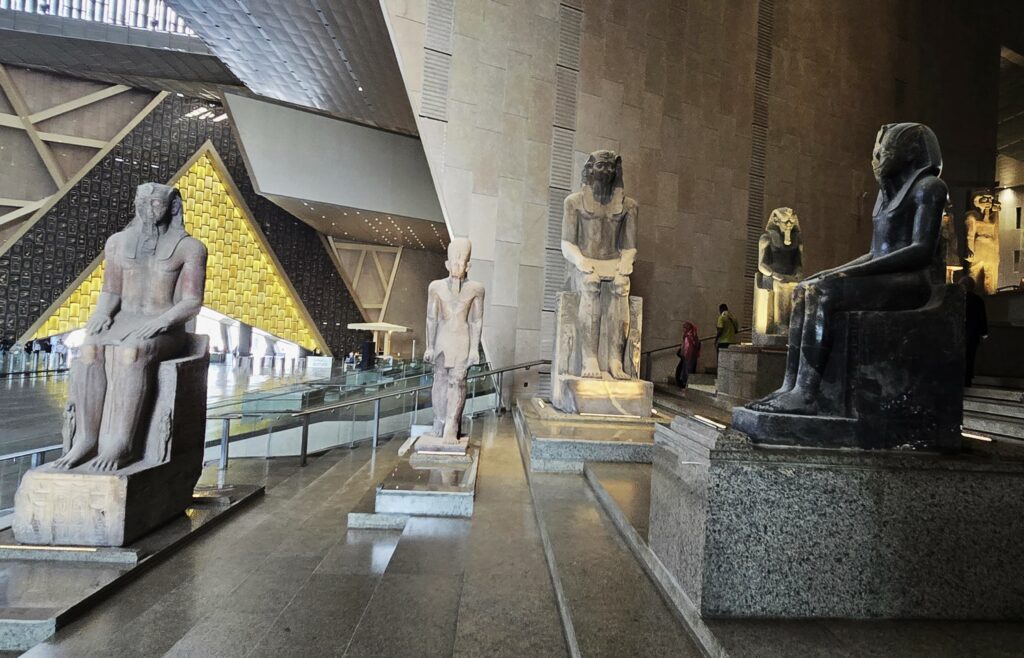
x,y
243,278
368,271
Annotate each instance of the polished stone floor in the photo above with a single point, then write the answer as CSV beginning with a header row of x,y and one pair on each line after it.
x,y
286,577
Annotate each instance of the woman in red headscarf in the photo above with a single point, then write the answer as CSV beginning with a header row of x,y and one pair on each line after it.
x,y
688,353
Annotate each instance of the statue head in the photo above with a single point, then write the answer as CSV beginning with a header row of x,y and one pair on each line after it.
x,y
904,150
157,204
603,172
785,221
983,201
459,252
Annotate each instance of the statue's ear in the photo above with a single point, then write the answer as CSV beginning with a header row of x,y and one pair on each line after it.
x,y
177,210
618,172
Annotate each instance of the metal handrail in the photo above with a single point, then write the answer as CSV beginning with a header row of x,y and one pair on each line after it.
x,y
31,451
376,399
675,346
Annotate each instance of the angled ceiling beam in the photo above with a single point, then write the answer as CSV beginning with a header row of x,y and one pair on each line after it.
x,y
21,109
77,103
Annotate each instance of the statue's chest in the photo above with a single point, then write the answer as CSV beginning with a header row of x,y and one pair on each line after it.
x,y
148,270
454,304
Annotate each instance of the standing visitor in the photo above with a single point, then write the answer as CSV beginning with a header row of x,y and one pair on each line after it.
x,y
727,328
977,327
688,353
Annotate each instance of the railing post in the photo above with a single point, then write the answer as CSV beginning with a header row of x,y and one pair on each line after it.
x,y
37,459
376,421
415,406
305,441
501,381
225,434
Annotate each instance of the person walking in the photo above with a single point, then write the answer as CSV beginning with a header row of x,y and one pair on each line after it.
x,y
688,353
726,328
977,327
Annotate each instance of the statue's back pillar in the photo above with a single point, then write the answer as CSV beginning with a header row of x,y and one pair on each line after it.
x,y
571,393
84,508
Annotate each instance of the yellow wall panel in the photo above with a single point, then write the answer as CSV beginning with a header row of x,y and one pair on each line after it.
x,y
242,280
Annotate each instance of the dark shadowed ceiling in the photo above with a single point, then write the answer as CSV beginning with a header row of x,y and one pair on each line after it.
x,y
330,55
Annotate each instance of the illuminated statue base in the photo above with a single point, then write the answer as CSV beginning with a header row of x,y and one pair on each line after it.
x,y
85,508
604,396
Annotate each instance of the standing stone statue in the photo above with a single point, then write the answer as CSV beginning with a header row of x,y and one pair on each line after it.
x,y
455,317
779,268
982,225
875,350
598,323
128,410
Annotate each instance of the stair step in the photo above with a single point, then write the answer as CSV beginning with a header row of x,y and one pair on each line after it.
x,y
1013,410
992,393
989,423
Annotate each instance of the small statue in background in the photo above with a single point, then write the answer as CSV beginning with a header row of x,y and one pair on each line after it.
x,y
982,225
780,267
455,317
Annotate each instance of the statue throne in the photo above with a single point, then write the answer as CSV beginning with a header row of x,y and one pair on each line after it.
x,y
80,507
894,380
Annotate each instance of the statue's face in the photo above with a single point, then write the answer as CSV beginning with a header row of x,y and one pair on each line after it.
x,y
884,159
785,220
603,169
983,201
152,208
457,263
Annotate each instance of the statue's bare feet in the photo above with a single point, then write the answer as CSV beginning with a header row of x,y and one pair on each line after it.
x,y
796,401
616,370
785,388
78,454
105,463
590,368
449,439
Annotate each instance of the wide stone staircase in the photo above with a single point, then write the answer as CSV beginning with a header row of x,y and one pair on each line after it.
x,y
995,412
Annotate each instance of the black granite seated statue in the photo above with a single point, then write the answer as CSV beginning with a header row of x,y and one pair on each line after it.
x,y
876,346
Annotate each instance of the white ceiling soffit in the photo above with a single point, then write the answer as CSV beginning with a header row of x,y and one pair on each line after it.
x,y
304,155
330,55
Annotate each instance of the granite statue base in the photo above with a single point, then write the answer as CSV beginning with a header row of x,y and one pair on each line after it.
x,y
571,393
432,443
748,372
747,530
894,380
83,508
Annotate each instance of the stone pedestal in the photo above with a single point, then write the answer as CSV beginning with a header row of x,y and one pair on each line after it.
x,y
606,396
748,372
78,507
776,532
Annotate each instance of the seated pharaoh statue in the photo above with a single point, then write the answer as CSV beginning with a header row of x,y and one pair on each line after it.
x,y
137,391
598,323
876,346
780,266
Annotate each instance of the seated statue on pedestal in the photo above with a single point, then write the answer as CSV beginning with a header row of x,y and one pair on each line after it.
x,y
152,285
896,378
780,267
598,323
134,423
455,316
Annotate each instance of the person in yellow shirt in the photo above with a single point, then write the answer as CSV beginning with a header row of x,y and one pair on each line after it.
x,y
727,328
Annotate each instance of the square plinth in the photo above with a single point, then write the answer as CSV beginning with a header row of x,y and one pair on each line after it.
x,y
780,532
432,443
92,509
611,397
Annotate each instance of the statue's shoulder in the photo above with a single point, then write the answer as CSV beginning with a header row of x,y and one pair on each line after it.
x,y
114,242
574,200
931,189
190,246
629,203
474,287
435,284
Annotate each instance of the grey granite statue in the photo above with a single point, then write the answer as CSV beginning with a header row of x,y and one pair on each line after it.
x,y
455,316
135,419
599,241
152,285
780,267
894,380
982,226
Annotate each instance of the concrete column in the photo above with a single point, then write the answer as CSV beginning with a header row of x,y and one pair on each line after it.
x,y
244,339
